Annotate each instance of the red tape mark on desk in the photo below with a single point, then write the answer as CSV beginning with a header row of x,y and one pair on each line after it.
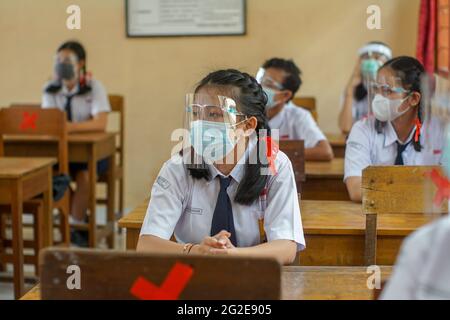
x,y
443,185
171,288
28,121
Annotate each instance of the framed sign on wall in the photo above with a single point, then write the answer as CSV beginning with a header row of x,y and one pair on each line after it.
x,y
180,18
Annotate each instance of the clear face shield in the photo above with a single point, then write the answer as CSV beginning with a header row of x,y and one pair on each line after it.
x,y
436,104
211,125
388,98
270,87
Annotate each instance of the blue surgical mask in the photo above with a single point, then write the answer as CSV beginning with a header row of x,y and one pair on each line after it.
x,y
211,140
271,103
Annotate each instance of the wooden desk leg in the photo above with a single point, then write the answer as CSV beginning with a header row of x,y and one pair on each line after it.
x,y
132,239
17,236
92,167
48,212
111,200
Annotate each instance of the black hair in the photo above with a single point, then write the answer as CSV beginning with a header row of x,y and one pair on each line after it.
x,y
251,101
293,80
78,49
360,92
410,71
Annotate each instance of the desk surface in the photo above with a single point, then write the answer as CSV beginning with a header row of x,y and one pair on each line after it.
x,y
336,139
11,167
311,283
325,169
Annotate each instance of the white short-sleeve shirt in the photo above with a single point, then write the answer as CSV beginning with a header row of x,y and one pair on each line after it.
x,y
185,206
366,147
84,106
296,123
422,271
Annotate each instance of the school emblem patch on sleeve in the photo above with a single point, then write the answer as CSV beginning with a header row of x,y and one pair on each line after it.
x,y
163,183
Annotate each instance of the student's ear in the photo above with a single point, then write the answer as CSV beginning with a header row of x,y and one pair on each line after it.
x,y
414,99
251,124
287,95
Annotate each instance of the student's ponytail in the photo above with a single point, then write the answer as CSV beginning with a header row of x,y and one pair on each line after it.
x,y
252,101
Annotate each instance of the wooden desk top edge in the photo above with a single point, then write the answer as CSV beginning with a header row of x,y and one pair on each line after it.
x,y
37,163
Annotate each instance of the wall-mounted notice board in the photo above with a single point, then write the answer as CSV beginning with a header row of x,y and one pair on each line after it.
x,y
171,18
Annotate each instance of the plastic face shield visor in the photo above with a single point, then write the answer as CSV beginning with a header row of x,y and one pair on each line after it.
x,y
266,81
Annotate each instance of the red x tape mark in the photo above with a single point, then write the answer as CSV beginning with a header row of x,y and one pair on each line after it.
x,y
173,285
442,184
28,121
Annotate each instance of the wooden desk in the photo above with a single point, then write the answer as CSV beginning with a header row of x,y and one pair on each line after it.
x,y
334,232
86,148
21,180
311,283
338,142
325,181
132,222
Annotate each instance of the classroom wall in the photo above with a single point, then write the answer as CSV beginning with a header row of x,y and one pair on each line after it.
x,y
154,74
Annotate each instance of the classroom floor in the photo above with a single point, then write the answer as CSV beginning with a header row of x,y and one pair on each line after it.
x,y
6,285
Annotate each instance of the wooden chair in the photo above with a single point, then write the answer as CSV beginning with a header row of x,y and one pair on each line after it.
x,y
295,150
39,124
308,103
395,190
117,106
208,278
25,105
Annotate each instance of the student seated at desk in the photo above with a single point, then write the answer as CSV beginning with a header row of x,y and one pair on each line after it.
x,y
396,133
86,103
218,205
422,271
281,80
355,103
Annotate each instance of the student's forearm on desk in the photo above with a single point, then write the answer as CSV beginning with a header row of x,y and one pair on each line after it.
x,y
282,250
354,188
321,152
96,124
157,245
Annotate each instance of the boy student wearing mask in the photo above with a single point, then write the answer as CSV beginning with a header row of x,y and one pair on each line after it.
x,y
86,104
355,104
394,134
226,202
281,80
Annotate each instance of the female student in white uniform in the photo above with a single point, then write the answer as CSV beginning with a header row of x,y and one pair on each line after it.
x,y
355,104
216,208
395,134
281,80
86,103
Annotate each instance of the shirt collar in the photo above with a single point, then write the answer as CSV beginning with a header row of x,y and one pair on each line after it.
x,y
390,136
238,171
66,92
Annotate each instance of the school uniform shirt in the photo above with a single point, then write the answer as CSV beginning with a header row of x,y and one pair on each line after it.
x,y
185,206
296,123
367,147
84,106
422,271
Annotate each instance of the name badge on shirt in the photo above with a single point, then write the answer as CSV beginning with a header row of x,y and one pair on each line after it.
x,y
163,183
196,211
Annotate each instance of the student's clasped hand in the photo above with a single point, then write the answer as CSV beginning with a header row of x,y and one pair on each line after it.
x,y
215,245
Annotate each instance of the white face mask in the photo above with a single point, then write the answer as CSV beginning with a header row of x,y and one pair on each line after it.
x,y
385,109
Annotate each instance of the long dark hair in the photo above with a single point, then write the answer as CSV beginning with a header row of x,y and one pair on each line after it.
x,y
78,49
410,71
251,101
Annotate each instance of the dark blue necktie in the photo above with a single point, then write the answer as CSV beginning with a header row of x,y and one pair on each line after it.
x,y
400,149
223,213
68,107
